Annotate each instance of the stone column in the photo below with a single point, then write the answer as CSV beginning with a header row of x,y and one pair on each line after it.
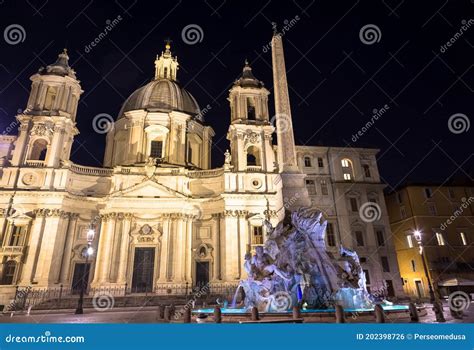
x,y
34,243
164,250
47,258
179,257
3,214
188,249
55,149
124,249
20,145
217,249
70,236
107,249
232,248
243,241
60,247
100,251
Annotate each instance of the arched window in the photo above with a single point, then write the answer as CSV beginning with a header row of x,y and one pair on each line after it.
x,y
8,274
38,150
251,109
253,156
347,169
166,73
50,98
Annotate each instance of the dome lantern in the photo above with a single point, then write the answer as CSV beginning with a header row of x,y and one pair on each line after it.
x,y
166,66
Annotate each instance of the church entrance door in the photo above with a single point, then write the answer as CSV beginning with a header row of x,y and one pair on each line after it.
x,y
81,273
202,273
143,265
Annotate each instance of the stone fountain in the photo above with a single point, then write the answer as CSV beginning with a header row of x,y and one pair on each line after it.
x,y
294,268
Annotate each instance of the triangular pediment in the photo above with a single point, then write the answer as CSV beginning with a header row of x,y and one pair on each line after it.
x,y
148,189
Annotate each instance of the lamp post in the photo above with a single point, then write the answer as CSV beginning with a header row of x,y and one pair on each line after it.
x,y
417,235
89,251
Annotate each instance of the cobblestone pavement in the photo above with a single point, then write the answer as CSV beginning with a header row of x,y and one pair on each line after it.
x,y
149,315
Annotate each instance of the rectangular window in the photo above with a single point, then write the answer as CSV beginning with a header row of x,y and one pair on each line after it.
x,y
428,192
354,206
359,238
385,264
410,241
413,266
307,162
380,238
324,187
257,237
311,186
347,177
432,209
366,170
367,277
440,238
320,162
15,238
463,238
330,237
403,213
156,149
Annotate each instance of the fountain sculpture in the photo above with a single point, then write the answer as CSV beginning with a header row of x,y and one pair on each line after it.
x,y
294,268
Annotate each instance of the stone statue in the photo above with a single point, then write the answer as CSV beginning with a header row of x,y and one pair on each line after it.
x,y
227,160
293,267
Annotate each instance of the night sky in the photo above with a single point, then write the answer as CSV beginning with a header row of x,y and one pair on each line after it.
x,y
336,80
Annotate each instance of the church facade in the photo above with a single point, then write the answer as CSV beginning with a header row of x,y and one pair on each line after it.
x,y
164,220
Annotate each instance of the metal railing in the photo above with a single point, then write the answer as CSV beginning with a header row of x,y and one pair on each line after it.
x,y
28,296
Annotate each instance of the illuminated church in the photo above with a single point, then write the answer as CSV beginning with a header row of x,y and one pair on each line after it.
x,y
163,219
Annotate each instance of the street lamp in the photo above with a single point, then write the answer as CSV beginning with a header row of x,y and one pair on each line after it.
x,y
417,235
88,252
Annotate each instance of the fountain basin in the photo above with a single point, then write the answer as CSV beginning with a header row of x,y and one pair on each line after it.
x,y
393,313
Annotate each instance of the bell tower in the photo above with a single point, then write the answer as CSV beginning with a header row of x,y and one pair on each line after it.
x,y
48,124
250,131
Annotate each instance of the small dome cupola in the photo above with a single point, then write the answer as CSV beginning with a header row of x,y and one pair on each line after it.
x,y
60,67
248,79
166,66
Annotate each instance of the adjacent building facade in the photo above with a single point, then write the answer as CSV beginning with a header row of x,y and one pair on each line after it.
x,y
164,219
445,217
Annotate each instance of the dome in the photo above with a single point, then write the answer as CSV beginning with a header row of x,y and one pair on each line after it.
x,y
162,95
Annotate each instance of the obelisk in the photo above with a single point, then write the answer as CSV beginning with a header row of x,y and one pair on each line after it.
x,y
295,194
